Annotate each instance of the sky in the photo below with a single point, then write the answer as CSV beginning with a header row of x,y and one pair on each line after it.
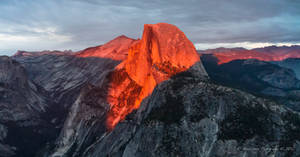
x,y
35,25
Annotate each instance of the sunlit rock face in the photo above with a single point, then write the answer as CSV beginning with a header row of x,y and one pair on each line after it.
x,y
116,49
162,52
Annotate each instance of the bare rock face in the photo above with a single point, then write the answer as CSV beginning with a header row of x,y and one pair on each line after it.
x,y
157,102
162,52
23,106
20,98
62,74
188,116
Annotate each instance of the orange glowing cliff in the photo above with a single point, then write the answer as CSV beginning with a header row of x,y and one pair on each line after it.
x,y
162,52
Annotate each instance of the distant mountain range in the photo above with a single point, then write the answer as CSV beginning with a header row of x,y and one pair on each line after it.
x,y
271,53
270,71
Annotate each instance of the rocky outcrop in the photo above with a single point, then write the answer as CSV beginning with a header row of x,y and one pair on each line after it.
x,y
189,116
162,52
85,123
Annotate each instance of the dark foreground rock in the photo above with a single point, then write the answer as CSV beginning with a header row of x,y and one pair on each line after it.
x,y
187,116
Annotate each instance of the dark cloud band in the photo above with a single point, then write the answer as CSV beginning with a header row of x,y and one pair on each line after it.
x,y
81,23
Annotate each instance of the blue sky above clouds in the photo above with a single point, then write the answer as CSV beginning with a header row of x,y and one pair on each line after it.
x,y
76,24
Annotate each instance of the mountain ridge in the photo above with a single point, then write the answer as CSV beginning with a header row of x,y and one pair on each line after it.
x,y
271,53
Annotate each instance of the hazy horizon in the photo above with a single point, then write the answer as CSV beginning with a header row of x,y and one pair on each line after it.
x,y
198,46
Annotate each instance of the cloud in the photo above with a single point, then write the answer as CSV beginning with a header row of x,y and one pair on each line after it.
x,y
77,24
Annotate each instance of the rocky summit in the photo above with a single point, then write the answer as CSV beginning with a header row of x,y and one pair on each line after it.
x,y
147,97
122,90
162,52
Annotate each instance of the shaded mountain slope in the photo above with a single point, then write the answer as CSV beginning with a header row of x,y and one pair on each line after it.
x,y
24,125
62,74
291,63
18,93
189,116
257,77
